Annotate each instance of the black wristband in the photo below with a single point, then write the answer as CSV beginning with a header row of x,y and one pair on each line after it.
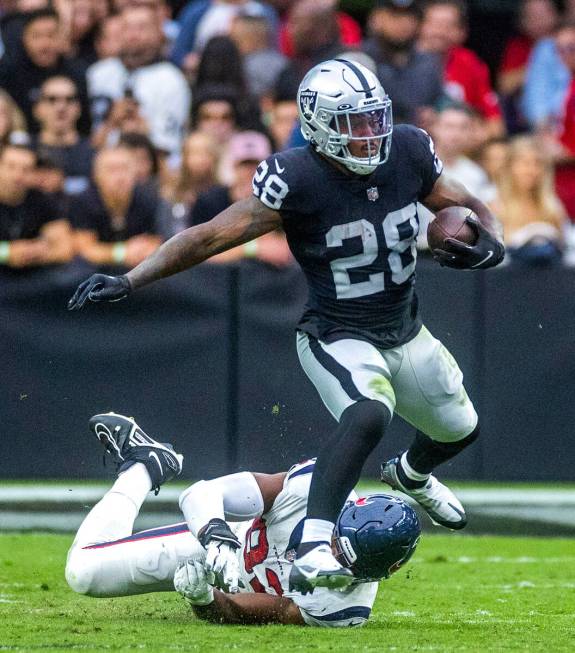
x,y
217,529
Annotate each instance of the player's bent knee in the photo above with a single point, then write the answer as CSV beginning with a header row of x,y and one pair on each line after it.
x,y
81,572
370,416
455,424
470,437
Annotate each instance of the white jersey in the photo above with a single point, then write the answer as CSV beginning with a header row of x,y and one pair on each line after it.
x,y
160,89
268,550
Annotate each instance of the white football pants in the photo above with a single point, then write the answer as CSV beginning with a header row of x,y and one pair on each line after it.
x,y
420,381
107,560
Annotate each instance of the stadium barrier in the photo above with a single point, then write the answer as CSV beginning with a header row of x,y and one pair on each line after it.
x,y
207,360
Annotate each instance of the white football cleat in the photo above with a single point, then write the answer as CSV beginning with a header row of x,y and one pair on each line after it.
x,y
443,507
318,568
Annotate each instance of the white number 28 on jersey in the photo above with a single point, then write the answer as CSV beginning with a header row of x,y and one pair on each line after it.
x,y
341,267
274,190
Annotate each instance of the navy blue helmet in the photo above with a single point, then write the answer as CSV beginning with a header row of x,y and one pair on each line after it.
x,y
376,535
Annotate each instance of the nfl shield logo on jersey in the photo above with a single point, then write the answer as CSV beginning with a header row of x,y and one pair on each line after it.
x,y
372,194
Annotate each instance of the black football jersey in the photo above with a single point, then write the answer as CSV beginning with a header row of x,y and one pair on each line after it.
x,y
354,236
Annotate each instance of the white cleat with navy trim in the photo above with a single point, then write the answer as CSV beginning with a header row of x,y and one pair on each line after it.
x,y
443,507
127,443
318,568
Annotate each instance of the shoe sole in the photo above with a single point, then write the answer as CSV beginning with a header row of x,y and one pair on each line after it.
x,y
306,585
389,478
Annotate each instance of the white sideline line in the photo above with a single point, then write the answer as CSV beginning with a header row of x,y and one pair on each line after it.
x,y
477,497
69,521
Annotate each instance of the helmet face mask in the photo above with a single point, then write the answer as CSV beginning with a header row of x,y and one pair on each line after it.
x,y
376,535
345,113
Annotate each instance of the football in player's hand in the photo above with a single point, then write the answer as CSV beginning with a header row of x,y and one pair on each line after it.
x,y
450,223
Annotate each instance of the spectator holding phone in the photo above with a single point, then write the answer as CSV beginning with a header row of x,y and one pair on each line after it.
x,y
137,91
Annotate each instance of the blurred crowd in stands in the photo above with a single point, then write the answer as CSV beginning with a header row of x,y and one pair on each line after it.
x,y
123,122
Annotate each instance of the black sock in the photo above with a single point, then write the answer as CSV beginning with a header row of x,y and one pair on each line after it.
x,y
425,454
340,462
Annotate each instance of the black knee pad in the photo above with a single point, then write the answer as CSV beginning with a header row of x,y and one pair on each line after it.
x,y
464,442
449,448
369,417
425,454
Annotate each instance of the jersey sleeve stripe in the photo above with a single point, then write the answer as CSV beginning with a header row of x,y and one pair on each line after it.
x,y
174,529
336,369
347,613
308,469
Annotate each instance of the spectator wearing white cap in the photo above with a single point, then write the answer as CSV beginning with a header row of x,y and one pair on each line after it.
x,y
245,151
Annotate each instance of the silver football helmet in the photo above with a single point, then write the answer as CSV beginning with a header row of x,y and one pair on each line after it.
x,y
345,113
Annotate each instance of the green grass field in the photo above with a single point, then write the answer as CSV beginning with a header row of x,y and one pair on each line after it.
x,y
458,594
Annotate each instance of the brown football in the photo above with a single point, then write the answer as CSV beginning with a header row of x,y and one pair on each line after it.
x,y
450,223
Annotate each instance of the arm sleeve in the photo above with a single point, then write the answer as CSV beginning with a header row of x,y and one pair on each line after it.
x,y
236,497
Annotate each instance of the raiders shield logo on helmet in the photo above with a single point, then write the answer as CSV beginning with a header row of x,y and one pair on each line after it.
x,y
307,102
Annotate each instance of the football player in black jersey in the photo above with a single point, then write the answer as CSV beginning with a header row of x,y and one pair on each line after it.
x,y
348,205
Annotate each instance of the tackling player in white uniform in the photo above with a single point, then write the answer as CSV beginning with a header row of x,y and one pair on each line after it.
x,y
251,556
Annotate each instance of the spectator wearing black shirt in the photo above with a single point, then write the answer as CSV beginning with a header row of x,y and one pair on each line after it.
x,y
413,80
32,232
58,111
23,74
245,151
12,24
115,219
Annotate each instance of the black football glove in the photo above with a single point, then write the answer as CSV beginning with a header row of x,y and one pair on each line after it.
x,y
221,560
486,253
217,530
100,288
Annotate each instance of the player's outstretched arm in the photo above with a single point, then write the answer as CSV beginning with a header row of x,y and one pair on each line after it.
x,y
243,221
238,224
488,250
250,609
